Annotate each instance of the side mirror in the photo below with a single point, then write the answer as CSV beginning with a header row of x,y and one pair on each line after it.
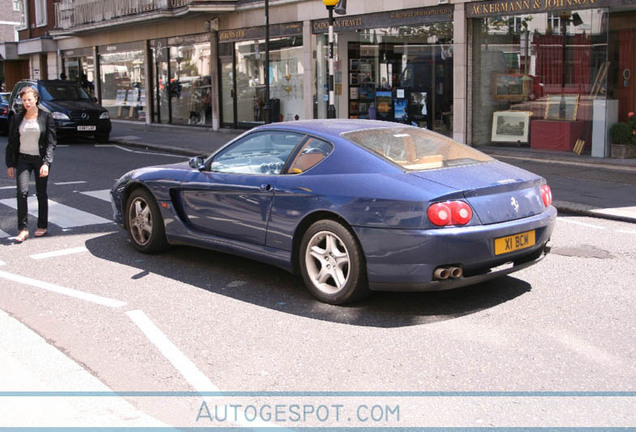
x,y
197,162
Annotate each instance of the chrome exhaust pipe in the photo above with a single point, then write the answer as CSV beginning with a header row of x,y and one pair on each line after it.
x,y
456,272
547,248
441,273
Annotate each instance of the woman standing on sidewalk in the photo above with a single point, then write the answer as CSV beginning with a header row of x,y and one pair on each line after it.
x,y
31,142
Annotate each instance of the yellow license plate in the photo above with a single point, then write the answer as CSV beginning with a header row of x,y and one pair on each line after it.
x,y
514,242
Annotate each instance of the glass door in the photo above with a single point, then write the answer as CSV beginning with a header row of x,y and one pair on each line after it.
x,y
228,92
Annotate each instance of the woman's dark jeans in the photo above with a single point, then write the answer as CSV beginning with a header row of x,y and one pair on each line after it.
x,y
26,164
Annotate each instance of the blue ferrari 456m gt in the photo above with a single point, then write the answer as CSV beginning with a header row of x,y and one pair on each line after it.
x,y
352,206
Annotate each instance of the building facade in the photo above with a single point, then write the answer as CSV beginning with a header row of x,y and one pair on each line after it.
x,y
11,21
548,74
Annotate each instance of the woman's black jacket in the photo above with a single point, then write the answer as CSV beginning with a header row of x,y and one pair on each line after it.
x,y
47,142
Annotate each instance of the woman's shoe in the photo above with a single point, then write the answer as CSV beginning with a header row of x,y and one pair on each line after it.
x,y
40,232
22,236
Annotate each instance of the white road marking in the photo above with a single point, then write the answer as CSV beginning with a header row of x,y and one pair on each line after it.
x,y
58,253
170,351
581,223
103,195
70,292
60,214
626,232
2,263
70,183
4,234
7,187
183,364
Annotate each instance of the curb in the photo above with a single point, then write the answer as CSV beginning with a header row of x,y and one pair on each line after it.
x,y
616,214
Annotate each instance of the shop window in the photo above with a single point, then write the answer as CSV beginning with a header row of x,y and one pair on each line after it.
x,y
402,75
122,75
543,73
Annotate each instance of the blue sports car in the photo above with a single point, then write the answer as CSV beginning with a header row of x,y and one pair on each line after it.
x,y
352,206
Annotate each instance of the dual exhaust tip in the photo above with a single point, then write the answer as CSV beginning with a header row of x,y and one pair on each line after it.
x,y
443,273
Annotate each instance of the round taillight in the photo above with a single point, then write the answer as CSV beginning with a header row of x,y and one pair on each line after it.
x,y
546,195
450,213
439,214
461,212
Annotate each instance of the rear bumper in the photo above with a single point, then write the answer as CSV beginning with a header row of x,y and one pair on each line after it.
x,y
405,260
450,284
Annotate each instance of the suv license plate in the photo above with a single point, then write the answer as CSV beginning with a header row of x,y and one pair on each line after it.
x,y
514,242
86,128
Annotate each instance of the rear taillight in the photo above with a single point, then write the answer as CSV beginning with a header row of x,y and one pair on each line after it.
x,y
4,111
546,195
450,213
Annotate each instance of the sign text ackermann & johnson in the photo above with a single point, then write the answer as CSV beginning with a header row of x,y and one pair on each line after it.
x,y
528,6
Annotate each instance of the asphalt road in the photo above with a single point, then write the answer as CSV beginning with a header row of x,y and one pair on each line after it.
x,y
551,346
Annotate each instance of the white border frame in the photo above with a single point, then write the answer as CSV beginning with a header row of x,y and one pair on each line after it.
x,y
521,116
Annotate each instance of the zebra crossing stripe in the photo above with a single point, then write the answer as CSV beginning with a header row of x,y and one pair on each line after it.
x,y
103,195
60,214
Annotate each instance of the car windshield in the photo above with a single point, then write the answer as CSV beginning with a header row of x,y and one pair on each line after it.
x,y
51,92
415,149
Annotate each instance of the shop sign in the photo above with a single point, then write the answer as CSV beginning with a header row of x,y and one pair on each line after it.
x,y
516,7
253,33
78,52
387,19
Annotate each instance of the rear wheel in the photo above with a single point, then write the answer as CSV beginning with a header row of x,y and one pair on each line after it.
x,y
331,263
144,222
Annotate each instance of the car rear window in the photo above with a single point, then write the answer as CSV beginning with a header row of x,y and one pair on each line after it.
x,y
50,92
415,149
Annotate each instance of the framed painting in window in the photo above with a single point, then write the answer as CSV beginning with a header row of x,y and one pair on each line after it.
x,y
562,107
510,126
512,87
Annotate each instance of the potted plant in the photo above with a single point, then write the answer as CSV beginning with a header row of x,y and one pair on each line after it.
x,y
623,136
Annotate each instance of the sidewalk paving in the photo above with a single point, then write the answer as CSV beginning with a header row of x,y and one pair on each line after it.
x,y
597,187
31,364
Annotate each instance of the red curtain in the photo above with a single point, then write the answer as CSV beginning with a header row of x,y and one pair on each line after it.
x,y
551,57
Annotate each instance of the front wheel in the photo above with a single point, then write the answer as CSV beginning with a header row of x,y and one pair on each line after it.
x,y
331,263
144,222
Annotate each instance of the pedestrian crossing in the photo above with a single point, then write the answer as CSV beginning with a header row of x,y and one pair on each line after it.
x,y
63,215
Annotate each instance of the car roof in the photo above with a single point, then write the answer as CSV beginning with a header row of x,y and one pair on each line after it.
x,y
330,127
44,82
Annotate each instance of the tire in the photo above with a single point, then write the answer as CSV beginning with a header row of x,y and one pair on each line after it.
x,y
144,223
102,138
332,264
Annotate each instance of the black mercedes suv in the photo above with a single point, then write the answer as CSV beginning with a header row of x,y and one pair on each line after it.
x,y
76,113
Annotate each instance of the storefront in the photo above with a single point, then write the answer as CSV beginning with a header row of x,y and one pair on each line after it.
x,y
78,65
242,65
182,80
122,72
394,66
551,75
